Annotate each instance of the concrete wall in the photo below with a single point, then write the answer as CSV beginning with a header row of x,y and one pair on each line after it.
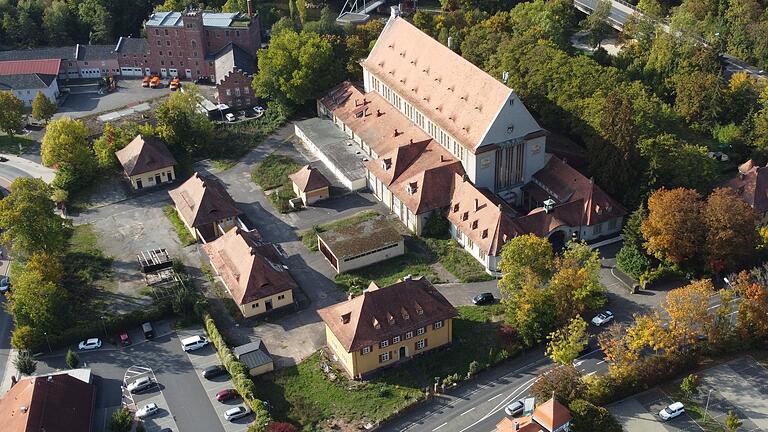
x,y
167,175
258,307
357,364
366,260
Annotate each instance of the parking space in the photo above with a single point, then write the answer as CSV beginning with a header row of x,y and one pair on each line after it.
x,y
201,359
641,414
154,394
129,92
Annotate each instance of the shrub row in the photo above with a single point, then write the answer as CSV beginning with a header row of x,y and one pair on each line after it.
x,y
240,375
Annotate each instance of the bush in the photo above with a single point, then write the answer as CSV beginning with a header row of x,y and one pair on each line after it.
x,y
632,261
121,421
588,418
281,427
474,367
25,363
25,338
690,385
436,225
652,276
72,359
451,380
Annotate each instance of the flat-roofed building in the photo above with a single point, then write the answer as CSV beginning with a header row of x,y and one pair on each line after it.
x,y
361,244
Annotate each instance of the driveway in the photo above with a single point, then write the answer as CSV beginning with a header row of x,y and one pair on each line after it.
x,y
16,167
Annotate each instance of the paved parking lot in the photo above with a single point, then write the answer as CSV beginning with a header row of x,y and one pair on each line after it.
x,y
153,394
201,359
740,385
129,92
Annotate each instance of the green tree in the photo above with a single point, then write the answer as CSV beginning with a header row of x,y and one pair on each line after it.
x,y
39,303
65,145
25,363
359,43
181,126
28,219
26,338
530,311
114,139
57,22
301,11
297,67
11,113
732,421
97,17
672,163
590,418
699,98
523,257
121,420
72,359
566,344
42,107
564,381
690,385
596,24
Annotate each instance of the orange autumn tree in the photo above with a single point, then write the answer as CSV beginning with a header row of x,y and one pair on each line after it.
x,y
731,235
673,229
687,308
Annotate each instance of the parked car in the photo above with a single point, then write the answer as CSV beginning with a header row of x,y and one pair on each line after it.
x,y
213,371
5,284
515,408
484,298
193,343
241,113
140,384
672,411
227,394
230,117
147,411
258,110
236,413
89,344
149,332
602,318
125,340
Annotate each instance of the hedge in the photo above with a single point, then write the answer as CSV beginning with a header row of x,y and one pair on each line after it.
x,y
239,374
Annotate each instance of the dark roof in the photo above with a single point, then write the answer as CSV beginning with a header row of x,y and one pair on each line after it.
x,y
26,81
202,201
232,57
308,179
66,52
380,313
95,52
360,238
253,354
129,45
58,403
144,154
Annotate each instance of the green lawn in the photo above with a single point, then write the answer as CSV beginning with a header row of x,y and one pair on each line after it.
x,y
85,268
309,237
303,394
234,140
10,144
456,260
185,237
386,273
273,171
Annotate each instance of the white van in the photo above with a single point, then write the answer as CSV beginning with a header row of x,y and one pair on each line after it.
x,y
672,411
193,342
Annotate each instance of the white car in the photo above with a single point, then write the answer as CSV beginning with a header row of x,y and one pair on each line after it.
x,y
230,117
236,413
672,411
140,384
193,342
515,408
258,110
602,318
147,410
89,344
5,283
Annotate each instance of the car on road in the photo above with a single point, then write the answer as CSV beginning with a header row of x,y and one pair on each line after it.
x,y
672,411
89,344
236,413
515,408
193,343
227,394
483,299
147,410
230,117
125,340
140,384
5,284
602,318
213,371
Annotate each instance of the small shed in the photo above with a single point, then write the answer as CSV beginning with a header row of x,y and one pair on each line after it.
x,y
255,356
310,185
361,245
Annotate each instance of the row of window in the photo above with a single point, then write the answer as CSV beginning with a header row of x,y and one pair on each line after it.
x,y
245,90
387,356
397,339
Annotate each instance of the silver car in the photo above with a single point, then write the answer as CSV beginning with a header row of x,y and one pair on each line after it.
x,y
147,411
236,413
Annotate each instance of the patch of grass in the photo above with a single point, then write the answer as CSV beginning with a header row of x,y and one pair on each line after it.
x,y
86,268
185,237
304,394
386,273
223,164
146,291
10,144
457,260
281,198
309,237
273,171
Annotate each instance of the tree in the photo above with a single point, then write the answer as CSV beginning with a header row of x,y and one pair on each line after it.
x,y
301,11
114,139
42,107
523,257
731,236
753,308
672,230
596,24
699,98
589,418
576,286
121,420
530,311
11,113
281,427
72,359
566,344
564,381
65,145
647,332
28,220
359,44
25,338
98,18
38,303
690,385
25,363
732,421
57,22
619,355
688,311
181,126
673,163
297,67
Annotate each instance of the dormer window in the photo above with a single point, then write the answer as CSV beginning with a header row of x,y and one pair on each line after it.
x,y
419,309
386,164
391,319
465,216
376,324
485,233
474,224
411,188
346,317
405,314
456,208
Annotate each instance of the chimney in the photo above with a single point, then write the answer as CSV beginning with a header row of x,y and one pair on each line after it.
x,y
23,408
549,204
516,425
50,379
407,277
410,141
250,8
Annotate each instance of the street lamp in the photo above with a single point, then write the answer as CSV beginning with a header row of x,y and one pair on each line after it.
x,y
104,324
47,342
707,407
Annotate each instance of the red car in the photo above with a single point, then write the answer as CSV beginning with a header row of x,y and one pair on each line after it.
x,y
227,394
124,338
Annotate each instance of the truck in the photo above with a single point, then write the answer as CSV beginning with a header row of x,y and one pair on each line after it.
x,y
175,84
154,82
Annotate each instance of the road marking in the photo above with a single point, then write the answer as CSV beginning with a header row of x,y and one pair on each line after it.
x,y
601,362
578,363
439,426
495,397
591,373
467,411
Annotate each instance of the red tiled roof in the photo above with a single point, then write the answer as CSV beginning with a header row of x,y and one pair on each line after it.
x,y
380,313
202,201
752,186
144,154
15,67
308,178
551,414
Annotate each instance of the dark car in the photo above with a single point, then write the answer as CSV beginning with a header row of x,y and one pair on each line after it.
x,y
227,394
483,299
213,371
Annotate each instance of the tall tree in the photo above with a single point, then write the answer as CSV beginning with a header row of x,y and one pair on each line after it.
x,y
523,257
11,113
58,22
699,98
596,24
25,363
688,311
65,145
97,17
530,312
180,124
672,230
565,344
564,381
731,235
42,107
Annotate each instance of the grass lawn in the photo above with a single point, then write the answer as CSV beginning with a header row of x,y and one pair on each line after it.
x,y
10,144
457,260
304,394
234,140
386,273
309,237
223,164
273,171
185,237
85,268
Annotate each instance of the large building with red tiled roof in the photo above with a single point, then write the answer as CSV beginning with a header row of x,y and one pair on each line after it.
x,y
436,133
26,78
751,185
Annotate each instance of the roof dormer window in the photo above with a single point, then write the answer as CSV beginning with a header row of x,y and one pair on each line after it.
x,y
419,309
391,319
411,188
404,313
474,224
465,216
345,318
386,164
376,324
456,208
485,233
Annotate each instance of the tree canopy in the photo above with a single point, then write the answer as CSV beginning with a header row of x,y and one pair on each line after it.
x,y
11,113
42,107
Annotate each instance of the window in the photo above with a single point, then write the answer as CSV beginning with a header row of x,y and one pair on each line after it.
x,y
437,325
226,33
597,229
281,296
229,92
237,33
420,331
161,53
396,339
384,357
158,43
409,335
195,55
384,343
157,32
237,91
166,32
168,43
420,345
612,224
162,62
366,350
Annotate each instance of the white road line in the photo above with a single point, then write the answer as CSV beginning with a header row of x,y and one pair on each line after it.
x,y
591,373
601,362
467,411
495,397
439,426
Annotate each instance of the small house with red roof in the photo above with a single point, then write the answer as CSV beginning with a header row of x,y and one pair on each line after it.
x,y
147,162
751,185
551,416
310,185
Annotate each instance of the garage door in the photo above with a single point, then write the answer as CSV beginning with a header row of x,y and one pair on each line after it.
x,y
129,72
